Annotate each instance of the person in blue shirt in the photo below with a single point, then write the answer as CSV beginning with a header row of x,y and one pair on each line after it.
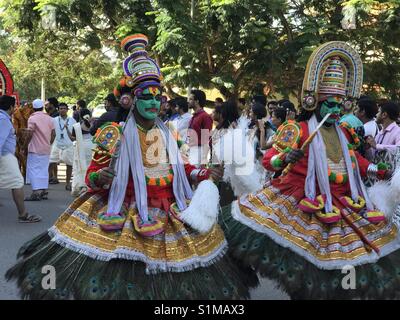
x,y
10,174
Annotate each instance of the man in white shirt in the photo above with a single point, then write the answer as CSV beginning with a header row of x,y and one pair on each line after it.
x,y
366,111
182,122
63,148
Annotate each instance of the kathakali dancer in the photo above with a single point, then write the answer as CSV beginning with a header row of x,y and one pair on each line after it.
x,y
301,229
126,237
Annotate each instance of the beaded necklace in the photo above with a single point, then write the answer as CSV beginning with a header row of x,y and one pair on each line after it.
x,y
341,178
144,145
334,153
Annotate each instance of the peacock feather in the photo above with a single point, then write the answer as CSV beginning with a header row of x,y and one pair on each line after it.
x,y
299,278
81,277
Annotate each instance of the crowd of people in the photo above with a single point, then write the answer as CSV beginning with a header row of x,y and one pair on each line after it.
x,y
39,136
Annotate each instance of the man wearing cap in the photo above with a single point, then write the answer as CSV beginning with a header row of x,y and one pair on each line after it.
x,y
41,136
10,175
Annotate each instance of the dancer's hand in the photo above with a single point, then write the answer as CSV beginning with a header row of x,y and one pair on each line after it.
x,y
294,156
216,173
106,176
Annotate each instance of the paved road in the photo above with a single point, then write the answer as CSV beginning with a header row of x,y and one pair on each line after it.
x,y
13,235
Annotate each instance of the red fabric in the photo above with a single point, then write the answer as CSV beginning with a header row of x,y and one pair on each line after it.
x,y
296,177
94,167
200,120
153,192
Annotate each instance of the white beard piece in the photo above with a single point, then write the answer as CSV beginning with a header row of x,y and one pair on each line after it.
x,y
385,195
203,210
238,155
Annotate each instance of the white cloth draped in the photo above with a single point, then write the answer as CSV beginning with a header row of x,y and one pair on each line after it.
x,y
318,169
37,170
82,157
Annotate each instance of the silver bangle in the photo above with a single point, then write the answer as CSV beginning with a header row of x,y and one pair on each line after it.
x,y
372,171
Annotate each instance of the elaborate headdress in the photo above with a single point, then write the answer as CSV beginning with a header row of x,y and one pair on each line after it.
x,y
140,70
333,69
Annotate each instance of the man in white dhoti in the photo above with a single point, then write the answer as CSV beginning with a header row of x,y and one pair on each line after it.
x,y
10,174
41,136
63,148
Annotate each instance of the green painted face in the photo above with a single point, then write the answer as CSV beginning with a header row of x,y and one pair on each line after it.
x,y
149,102
331,105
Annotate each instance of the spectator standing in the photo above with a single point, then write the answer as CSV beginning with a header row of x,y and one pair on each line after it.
x,y
226,116
10,174
388,139
182,122
63,148
366,111
200,127
271,106
218,102
80,104
112,114
172,112
263,128
163,114
41,136
278,117
51,107
290,110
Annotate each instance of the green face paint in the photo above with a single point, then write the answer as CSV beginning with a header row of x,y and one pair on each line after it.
x,y
149,102
331,105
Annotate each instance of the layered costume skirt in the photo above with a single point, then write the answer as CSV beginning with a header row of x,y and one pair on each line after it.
x,y
267,232
90,263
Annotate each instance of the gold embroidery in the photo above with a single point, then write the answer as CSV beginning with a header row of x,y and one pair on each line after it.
x,y
152,147
82,228
332,143
321,243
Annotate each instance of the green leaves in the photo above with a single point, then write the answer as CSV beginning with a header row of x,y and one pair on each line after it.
x,y
233,45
